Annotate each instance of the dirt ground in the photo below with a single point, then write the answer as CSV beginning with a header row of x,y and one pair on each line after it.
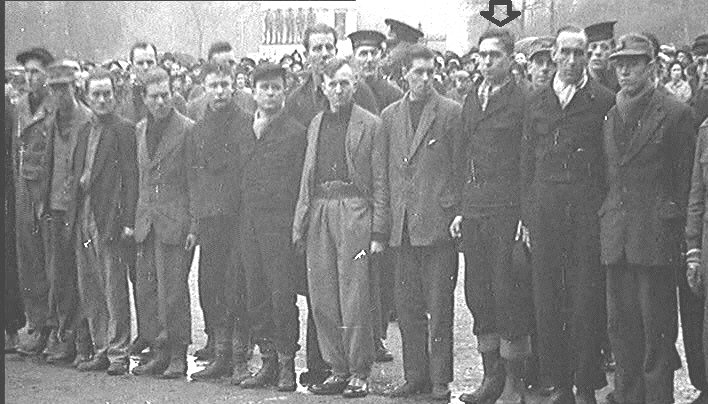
x,y
28,380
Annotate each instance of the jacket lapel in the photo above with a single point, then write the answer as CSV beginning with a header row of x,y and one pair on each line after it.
x,y
355,130
426,120
582,100
169,140
651,119
311,157
141,143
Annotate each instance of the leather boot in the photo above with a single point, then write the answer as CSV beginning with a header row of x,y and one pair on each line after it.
x,y
137,347
286,378
221,364
178,362
514,385
268,373
65,350
157,364
35,343
492,382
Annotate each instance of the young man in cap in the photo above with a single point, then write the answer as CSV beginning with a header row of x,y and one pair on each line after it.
x,y
108,194
341,219
272,153
542,68
164,230
487,169
699,101
601,42
421,129
214,202
31,108
562,189
54,149
368,49
400,37
648,146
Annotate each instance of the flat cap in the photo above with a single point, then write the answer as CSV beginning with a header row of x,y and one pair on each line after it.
x,y
543,44
700,45
268,70
245,61
62,72
403,31
601,31
633,45
38,53
367,38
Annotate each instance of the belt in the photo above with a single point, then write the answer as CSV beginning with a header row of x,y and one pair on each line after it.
x,y
337,190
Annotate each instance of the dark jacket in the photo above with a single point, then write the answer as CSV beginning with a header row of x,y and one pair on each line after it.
x,y
214,161
384,92
366,151
421,174
643,214
163,202
113,185
565,145
272,166
697,213
307,100
488,152
198,106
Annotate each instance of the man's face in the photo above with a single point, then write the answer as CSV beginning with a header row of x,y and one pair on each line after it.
x,y
228,58
340,88
633,72
168,64
100,96
35,75
681,57
321,49
702,71
420,77
143,59
495,62
367,58
599,54
240,80
541,70
269,94
570,56
463,84
219,89
63,95
158,99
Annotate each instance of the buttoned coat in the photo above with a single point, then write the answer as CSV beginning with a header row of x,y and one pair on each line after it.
x,y
642,216
163,202
420,168
696,234
366,153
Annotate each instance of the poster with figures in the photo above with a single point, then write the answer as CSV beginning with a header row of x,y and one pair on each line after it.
x,y
287,26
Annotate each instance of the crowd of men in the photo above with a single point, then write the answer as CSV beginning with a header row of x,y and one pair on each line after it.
x,y
562,172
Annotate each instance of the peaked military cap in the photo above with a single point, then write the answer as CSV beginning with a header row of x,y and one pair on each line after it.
x,y
633,45
601,31
62,72
700,45
367,37
543,44
38,53
403,31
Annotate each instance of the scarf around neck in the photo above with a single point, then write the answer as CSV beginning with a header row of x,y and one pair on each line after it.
x,y
631,107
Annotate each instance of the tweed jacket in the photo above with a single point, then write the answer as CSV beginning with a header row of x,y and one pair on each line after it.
x,y
642,216
420,168
366,153
163,201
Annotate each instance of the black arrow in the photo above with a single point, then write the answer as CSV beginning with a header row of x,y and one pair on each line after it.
x,y
511,14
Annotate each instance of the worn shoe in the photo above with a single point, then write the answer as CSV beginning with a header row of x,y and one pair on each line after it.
x,y
492,382
207,352
334,384
100,362
440,392
356,388
382,354
311,377
177,367
239,373
560,395
701,399
267,375
408,389
286,376
64,351
34,344
585,396
52,342
156,365
11,342
117,368
137,347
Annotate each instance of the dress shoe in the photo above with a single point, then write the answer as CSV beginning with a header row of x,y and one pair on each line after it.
x,y
99,362
79,359
408,389
156,365
117,368
560,395
177,367
311,377
64,351
701,399
286,376
356,388
34,344
382,354
440,392
267,375
334,384
585,396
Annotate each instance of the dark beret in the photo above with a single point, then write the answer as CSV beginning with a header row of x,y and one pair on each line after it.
x,y
268,70
601,31
367,37
38,53
403,31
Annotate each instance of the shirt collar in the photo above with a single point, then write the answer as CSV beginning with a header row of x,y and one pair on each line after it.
x,y
558,85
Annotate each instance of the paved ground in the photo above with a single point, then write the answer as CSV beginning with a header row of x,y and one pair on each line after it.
x,y
30,381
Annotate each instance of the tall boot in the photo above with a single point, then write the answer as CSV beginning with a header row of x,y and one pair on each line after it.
x,y
514,385
178,362
268,373
221,364
286,378
158,362
492,383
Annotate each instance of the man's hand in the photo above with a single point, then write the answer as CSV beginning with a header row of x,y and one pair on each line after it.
x,y
376,247
190,242
694,276
127,232
456,227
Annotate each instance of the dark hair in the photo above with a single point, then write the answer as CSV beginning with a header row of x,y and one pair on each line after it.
x,y
100,73
216,68
503,35
318,29
518,66
654,43
416,51
142,45
333,65
676,62
155,75
573,29
219,47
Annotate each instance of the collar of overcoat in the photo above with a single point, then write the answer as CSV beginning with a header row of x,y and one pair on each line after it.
x,y
170,139
426,119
